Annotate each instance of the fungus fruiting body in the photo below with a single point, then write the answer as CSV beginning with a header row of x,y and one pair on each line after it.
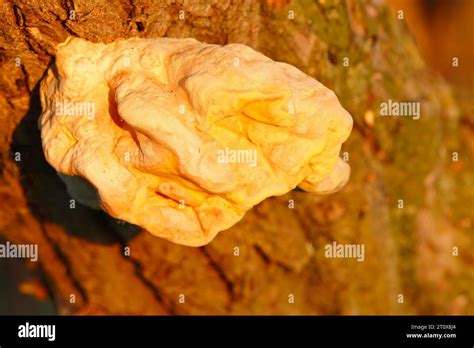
x,y
182,137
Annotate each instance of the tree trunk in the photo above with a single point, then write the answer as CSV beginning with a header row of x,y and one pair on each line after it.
x,y
407,201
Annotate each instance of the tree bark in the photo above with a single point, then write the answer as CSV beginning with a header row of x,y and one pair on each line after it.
x,y
357,48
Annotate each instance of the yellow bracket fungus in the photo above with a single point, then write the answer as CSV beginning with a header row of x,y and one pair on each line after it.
x,y
182,137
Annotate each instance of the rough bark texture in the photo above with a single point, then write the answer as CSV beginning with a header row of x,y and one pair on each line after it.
x,y
409,251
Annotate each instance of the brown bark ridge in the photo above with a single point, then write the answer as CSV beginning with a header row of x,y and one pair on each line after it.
x,y
357,48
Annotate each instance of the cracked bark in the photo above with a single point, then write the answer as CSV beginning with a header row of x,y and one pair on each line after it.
x,y
281,249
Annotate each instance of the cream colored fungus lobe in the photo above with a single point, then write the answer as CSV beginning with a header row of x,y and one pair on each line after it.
x,y
182,137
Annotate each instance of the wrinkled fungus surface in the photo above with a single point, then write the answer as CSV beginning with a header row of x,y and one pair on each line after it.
x,y
182,137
